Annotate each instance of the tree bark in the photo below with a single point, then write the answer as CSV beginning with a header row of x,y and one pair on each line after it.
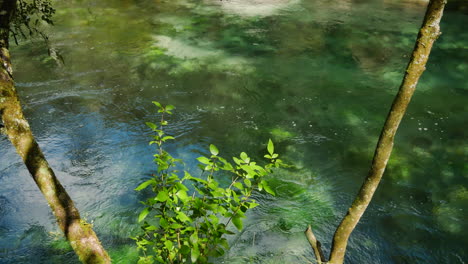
x,y
79,233
428,33
315,244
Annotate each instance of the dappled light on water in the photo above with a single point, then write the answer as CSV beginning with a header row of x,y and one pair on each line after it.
x,y
317,77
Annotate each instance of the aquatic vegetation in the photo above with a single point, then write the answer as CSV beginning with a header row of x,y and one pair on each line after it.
x,y
281,134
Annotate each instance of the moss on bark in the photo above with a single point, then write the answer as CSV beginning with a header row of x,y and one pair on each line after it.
x,y
429,32
80,234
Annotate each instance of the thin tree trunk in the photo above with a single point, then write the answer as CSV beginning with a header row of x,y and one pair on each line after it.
x,y
315,244
79,233
428,33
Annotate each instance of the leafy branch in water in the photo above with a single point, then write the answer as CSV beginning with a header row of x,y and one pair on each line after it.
x,y
187,218
27,21
28,17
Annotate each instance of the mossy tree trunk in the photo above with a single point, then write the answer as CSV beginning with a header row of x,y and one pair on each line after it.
x,y
429,32
80,234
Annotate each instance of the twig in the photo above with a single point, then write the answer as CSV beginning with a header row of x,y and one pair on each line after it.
x,y
315,244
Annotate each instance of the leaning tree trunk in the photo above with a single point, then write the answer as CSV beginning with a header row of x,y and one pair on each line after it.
x,y
428,33
79,233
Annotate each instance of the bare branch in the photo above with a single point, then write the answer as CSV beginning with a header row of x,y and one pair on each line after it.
x,y
315,244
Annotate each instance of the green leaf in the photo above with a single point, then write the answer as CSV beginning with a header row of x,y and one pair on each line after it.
x,y
236,198
214,219
195,179
169,107
218,192
194,238
144,242
183,217
224,243
237,161
187,176
158,258
151,228
214,150
143,214
144,185
172,254
157,104
252,205
176,226
167,138
219,252
267,188
162,196
146,260
183,196
248,183
152,125
222,210
181,186
270,147
238,185
201,166
250,172
227,166
195,254
237,221
168,244
244,157
163,223
213,185
204,160
184,250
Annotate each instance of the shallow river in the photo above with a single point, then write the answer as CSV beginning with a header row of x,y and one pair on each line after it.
x,y
315,76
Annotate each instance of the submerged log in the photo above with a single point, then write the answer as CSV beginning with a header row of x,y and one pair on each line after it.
x,y
79,233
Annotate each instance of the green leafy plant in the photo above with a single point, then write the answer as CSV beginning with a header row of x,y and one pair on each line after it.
x,y
28,21
187,219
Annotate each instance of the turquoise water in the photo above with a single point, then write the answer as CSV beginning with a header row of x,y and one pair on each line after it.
x,y
315,76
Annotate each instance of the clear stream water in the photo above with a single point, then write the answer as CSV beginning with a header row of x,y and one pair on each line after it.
x,y
316,76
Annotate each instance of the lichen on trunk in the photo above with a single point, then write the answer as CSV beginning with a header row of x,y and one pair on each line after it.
x,y
429,32
80,234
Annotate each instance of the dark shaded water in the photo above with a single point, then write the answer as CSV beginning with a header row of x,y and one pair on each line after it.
x,y
315,76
